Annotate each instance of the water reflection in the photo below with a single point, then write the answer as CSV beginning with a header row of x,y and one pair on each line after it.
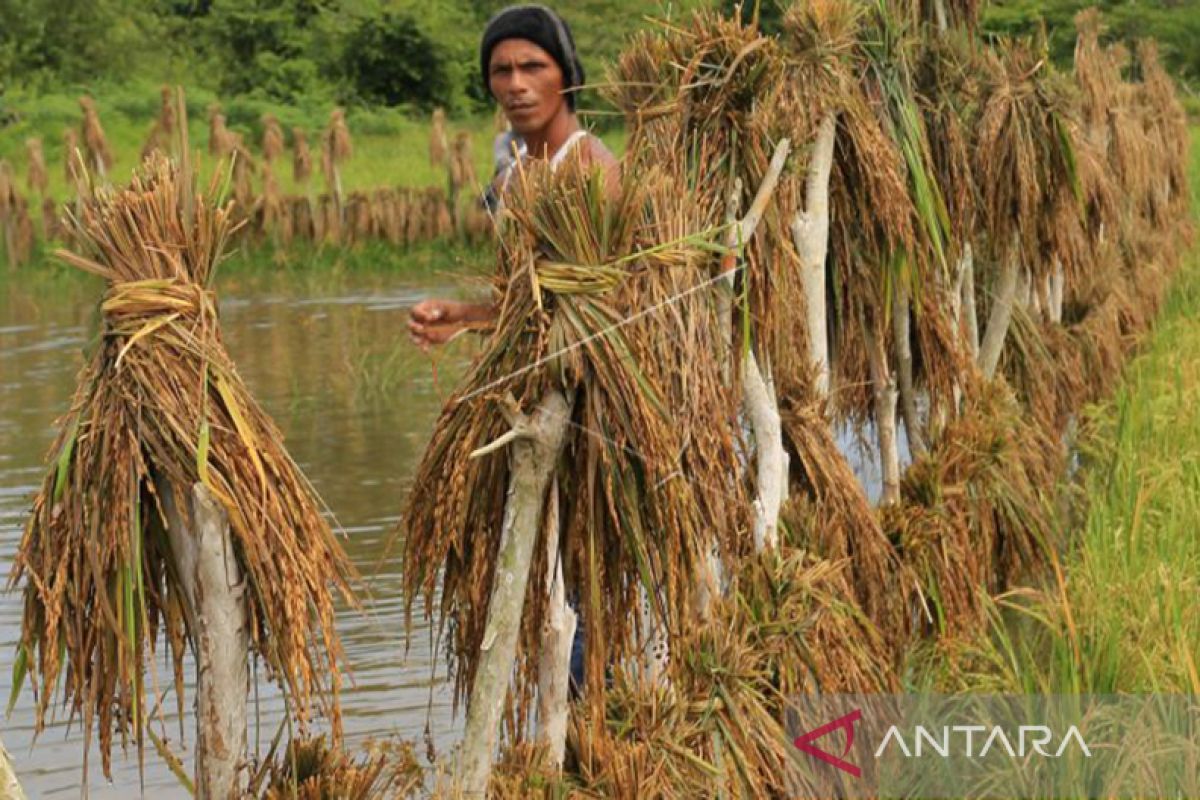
x,y
328,357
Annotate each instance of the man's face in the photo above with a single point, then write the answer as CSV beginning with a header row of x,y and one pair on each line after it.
x,y
527,82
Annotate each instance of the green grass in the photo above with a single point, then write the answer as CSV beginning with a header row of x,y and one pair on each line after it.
x,y
1121,613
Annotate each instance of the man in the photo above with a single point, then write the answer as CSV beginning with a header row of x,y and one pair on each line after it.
x,y
531,68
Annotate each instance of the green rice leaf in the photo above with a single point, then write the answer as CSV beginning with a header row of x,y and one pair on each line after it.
x,y
64,461
19,671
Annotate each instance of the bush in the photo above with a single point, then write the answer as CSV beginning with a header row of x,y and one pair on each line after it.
x,y
389,59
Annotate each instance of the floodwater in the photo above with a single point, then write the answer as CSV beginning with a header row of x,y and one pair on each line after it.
x,y
327,355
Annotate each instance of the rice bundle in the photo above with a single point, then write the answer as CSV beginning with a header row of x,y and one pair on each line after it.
x,y
160,404
272,138
312,769
8,211
162,131
338,148
975,514
73,165
51,229
36,180
1167,126
221,141
439,147
301,157
462,164
242,166
651,459
95,143
784,631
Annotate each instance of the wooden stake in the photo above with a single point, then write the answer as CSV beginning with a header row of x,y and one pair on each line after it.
x,y
202,550
535,451
558,635
810,232
1002,305
902,333
883,384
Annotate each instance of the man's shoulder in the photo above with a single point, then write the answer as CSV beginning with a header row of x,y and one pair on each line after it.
x,y
598,152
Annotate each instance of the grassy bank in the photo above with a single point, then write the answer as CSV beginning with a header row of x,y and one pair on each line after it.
x,y
1119,611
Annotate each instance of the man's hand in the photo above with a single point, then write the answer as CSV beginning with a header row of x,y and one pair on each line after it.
x,y
438,321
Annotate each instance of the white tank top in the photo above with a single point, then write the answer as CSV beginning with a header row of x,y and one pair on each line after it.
x,y
562,152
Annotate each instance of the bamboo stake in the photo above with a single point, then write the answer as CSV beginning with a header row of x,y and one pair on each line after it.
x,y
1002,305
810,232
10,787
208,571
537,442
558,634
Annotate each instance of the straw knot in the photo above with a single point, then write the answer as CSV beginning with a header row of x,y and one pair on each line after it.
x,y
139,302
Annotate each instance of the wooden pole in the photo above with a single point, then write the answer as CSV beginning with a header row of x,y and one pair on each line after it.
x,y
558,635
902,333
537,443
202,551
992,345
883,385
810,232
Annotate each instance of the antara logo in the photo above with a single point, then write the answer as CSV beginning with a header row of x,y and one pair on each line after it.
x,y
1028,736
846,723
1030,739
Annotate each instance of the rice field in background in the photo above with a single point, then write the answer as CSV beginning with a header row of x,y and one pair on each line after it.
x,y
391,147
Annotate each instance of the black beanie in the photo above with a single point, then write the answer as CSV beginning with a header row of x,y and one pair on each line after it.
x,y
544,28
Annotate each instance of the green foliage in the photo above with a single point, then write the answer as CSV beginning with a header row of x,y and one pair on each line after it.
x,y
43,42
393,59
1174,23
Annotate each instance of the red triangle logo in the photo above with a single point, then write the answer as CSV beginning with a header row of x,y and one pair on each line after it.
x,y
846,723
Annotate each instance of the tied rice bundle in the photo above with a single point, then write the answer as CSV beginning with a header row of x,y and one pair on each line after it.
x,y
608,300
272,138
36,180
301,157
1026,167
160,407
722,728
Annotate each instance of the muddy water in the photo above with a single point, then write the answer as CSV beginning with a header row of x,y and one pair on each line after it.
x,y
326,355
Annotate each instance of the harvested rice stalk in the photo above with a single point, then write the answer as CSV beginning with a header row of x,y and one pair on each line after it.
x,y
99,156
785,630
162,132
336,150
976,513
1030,191
313,769
439,145
160,399
272,138
301,157
651,458
221,142
36,180
51,229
